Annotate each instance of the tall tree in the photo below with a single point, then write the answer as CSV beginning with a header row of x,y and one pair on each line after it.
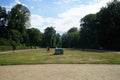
x,y
109,22
34,37
70,39
49,37
3,22
88,31
19,19
58,40
102,29
74,29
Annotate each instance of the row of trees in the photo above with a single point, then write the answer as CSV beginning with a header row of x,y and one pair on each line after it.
x,y
13,25
15,29
71,38
50,38
101,30
98,31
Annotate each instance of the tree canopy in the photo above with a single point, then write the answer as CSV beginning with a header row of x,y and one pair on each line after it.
x,y
102,29
70,39
97,31
14,24
50,38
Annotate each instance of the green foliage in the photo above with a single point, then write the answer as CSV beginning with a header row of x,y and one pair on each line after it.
x,y
8,48
98,31
49,37
3,16
101,30
19,20
4,41
109,20
71,38
16,36
74,29
13,27
34,36
88,36
58,40
3,22
5,48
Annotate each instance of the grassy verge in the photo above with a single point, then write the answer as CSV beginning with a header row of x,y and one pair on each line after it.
x,y
70,56
8,48
5,48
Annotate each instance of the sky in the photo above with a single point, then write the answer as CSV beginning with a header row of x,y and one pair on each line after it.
x,y
61,14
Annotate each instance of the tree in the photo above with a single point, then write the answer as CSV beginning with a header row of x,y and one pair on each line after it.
x,y
34,37
70,39
110,27
74,29
19,19
3,22
88,31
15,36
102,29
58,40
49,37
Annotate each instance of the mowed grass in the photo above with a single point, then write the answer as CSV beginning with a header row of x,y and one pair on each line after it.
x,y
70,56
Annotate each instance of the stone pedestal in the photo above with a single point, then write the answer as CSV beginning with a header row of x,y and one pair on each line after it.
x,y
59,51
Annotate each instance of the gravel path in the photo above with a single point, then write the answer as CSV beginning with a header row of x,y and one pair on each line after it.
x,y
4,52
60,72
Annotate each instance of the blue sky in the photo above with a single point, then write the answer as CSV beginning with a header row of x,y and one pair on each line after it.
x,y
62,14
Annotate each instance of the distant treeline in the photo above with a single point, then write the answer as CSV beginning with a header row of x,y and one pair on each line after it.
x,y
97,31
15,30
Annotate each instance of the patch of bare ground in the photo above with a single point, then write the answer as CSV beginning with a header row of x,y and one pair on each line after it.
x,y
60,72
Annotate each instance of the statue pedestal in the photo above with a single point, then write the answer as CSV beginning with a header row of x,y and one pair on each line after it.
x,y
58,51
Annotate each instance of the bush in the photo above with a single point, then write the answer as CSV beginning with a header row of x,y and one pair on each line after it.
x,y
22,47
4,41
5,48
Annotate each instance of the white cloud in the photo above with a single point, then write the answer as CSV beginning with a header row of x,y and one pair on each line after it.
x,y
17,1
72,17
66,20
64,2
68,1
32,7
37,20
58,2
69,18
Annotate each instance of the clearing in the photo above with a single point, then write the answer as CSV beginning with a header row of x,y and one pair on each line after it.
x,y
70,56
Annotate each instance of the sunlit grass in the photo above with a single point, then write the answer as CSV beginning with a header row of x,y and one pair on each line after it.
x,y
70,56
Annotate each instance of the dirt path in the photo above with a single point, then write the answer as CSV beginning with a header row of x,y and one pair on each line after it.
x,y
60,72
4,52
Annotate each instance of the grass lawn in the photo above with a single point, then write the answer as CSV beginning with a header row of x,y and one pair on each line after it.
x,y
70,56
